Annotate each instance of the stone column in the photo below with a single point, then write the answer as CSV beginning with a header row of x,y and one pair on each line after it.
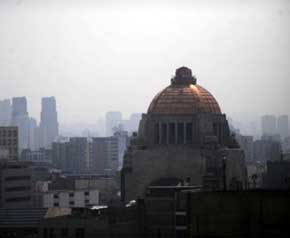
x,y
176,135
184,132
167,134
160,133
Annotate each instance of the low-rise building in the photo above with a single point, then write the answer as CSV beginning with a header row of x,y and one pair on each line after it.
x,y
67,198
15,184
9,141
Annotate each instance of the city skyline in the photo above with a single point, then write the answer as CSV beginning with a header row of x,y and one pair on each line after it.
x,y
235,50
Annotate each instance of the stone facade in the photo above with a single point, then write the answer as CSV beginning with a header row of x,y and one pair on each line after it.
x,y
181,136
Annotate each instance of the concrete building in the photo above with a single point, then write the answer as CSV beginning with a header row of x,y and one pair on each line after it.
x,y
123,143
246,143
33,140
21,120
60,155
73,198
264,150
113,119
269,125
258,213
277,176
9,141
41,155
15,184
5,112
72,156
184,136
99,155
48,122
283,126
107,152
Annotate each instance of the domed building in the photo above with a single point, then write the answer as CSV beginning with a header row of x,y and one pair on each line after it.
x,y
183,137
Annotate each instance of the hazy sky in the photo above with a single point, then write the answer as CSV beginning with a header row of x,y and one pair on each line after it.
x,y
116,55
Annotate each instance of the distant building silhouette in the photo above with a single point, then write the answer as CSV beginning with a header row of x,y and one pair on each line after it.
x,y
113,119
5,112
269,125
20,119
265,150
48,123
283,126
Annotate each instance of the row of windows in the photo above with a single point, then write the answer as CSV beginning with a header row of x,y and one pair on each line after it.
x,y
17,178
8,142
87,193
18,199
8,133
173,133
71,203
17,189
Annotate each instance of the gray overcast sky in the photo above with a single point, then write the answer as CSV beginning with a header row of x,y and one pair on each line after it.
x,y
103,55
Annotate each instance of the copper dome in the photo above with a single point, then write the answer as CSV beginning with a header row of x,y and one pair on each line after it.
x,y
184,96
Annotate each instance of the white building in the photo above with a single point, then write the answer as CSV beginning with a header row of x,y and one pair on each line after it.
x,y
74,198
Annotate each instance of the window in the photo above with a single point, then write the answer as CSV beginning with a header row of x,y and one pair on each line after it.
x,y
171,133
55,196
163,133
56,204
87,193
188,133
156,133
16,178
18,199
71,194
16,189
180,133
71,203
87,201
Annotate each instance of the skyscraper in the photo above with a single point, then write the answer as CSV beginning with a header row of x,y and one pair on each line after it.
x,y
282,126
48,123
5,112
20,119
113,119
269,126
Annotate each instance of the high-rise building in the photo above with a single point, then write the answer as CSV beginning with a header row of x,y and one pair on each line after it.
x,y
269,125
9,142
105,154
72,156
98,155
48,122
283,126
20,119
113,119
32,139
123,142
5,112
